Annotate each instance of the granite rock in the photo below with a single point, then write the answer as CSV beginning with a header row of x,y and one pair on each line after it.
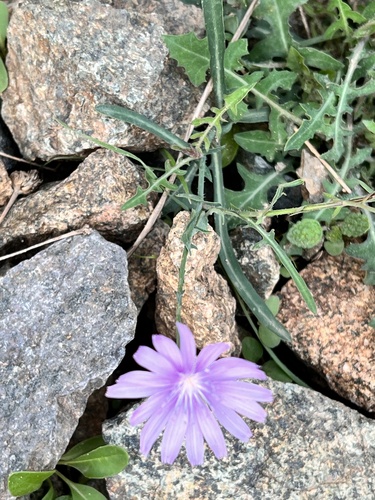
x,y
92,195
338,342
208,307
310,447
65,318
66,57
6,188
258,263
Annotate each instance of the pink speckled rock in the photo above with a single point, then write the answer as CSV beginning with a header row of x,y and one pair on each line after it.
x,y
338,342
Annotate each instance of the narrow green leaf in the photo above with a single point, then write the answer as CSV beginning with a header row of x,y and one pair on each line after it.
x,y
370,125
25,482
252,349
214,22
83,447
101,462
269,238
134,118
191,53
231,265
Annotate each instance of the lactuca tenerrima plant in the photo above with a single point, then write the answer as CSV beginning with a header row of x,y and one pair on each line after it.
x,y
189,395
301,76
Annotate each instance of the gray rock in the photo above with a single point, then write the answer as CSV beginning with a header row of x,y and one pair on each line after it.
x,y
309,448
66,57
258,263
93,194
65,319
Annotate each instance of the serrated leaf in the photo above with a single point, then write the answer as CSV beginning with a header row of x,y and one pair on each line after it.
x,y
101,462
276,13
191,53
316,120
264,143
366,252
25,482
83,447
252,349
254,193
275,80
344,14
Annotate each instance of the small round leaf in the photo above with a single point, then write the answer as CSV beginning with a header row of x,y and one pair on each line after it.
x,y
252,349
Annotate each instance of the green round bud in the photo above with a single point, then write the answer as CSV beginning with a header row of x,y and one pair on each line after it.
x,y
334,234
354,225
306,233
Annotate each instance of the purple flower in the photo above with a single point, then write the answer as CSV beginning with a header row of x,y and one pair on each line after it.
x,y
188,395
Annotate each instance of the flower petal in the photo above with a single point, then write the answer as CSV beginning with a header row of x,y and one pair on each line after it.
x,y
149,407
248,409
168,349
174,434
155,425
194,441
245,391
235,368
187,347
210,429
210,353
232,422
154,361
136,384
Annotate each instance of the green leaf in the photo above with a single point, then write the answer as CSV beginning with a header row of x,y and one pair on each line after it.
x,y
252,349
370,125
366,251
344,14
254,194
268,338
319,59
275,372
316,114
3,76
83,447
334,248
25,482
134,118
101,462
273,303
4,21
214,23
191,53
267,144
276,13
275,80
83,492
